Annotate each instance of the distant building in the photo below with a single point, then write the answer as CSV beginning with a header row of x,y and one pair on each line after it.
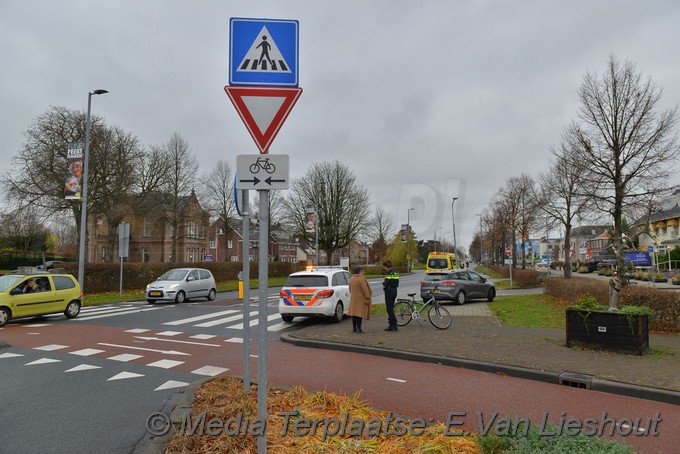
x,y
151,233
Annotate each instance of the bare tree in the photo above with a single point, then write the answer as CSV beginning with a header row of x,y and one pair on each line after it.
x,y
382,227
627,148
218,192
38,171
561,195
341,202
523,190
113,179
21,230
175,190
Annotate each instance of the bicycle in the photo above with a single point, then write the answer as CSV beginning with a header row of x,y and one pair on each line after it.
x,y
262,163
409,309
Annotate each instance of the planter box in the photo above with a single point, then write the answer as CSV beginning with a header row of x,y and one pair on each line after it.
x,y
610,331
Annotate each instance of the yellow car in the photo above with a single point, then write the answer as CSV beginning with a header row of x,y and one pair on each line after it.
x,y
27,295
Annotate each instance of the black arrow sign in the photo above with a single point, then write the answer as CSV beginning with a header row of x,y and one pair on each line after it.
x,y
269,181
254,181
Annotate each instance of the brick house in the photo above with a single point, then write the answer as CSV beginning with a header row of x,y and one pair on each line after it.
x,y
151,233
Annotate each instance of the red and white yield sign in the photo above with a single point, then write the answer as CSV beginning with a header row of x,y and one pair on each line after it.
x,y
508,251
263,110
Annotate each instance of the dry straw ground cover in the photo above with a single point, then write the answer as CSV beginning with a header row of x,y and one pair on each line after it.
x,y
224,398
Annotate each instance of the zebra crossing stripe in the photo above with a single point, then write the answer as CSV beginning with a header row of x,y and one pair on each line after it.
x,y
223,321
185,321
127,311
254,322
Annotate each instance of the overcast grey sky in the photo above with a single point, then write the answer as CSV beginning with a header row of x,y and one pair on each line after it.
x,y
424,100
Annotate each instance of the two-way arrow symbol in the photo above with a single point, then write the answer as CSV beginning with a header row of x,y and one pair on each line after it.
x,y
269,181
254,181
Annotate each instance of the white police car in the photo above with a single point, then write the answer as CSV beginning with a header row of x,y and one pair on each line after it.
x,y
322,291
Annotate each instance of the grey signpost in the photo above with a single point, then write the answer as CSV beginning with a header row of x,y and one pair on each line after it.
x,y
123,247
263,96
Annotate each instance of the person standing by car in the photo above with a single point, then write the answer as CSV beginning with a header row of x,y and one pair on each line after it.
x,y
360,300
390,285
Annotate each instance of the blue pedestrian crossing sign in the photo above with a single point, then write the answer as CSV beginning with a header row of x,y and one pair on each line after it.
x,y
263,52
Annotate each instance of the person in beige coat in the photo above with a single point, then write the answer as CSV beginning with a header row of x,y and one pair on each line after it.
x,y
361,298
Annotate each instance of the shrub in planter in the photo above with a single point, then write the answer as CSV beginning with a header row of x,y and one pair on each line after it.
x,y
590,325
582,269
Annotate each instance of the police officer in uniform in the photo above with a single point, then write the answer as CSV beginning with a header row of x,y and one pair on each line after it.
x,y
390,285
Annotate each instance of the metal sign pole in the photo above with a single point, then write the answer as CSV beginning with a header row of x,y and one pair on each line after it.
x,y
246,291
263,282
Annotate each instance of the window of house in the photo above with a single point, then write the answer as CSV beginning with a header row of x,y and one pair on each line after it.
x,y
191,228
229,244
145,255
146,227
234,258
213,244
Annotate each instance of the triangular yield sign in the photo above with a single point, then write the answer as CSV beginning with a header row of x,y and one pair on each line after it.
x,y
263,110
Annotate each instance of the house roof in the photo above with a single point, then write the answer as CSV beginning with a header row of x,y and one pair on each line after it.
x,y
589,231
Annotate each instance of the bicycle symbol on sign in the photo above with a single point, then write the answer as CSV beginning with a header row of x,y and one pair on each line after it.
x,y
262,163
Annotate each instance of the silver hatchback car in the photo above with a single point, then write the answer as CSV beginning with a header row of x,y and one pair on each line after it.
x,y
458,286
181,284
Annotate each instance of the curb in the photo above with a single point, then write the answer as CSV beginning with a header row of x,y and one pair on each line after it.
x,y
605,386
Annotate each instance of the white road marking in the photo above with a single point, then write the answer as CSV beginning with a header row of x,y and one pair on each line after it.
x,y
398,380
125,357
209,371
254,322
124,375
203,336
42,361
82,367
51,347
165,363
177,341
171,384
236,340
116,314
87,352
10,355
137,330
223,321
185,321
168,333
165,352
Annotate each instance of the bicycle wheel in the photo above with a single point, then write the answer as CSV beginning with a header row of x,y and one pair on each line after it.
x,y
439,316
403,310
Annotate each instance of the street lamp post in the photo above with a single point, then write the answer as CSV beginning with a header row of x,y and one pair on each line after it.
x,y
408,242
435,238
481,236
455,245
83,206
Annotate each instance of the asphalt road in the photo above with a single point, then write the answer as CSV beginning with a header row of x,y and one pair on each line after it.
x,y
71,385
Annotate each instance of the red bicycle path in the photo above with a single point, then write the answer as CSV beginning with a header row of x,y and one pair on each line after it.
x,y
410,388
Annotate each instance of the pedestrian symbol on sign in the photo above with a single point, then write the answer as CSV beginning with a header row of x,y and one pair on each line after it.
x,y
264,56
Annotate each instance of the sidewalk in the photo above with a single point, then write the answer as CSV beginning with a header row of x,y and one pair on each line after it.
x,y
476,340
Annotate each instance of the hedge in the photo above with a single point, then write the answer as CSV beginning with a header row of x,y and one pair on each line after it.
x,y
105,277
664,303
520,278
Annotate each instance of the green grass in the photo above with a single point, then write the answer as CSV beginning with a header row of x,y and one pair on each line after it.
x,y
536,442
488,271
94,299
533,311
505,284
